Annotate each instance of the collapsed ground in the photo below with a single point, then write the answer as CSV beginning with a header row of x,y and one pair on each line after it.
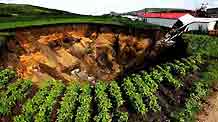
x,y
79,52
169,91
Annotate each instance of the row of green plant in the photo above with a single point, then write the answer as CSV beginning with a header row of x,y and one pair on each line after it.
x,y
178,69
199,90
134,98
201,44
147,87
84,110
45,110
143,86
117,102
16,91
76,103
39,107
103,103
68,105
115,95
5,76
206,47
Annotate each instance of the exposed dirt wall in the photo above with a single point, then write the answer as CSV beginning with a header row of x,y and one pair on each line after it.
x,y
84,52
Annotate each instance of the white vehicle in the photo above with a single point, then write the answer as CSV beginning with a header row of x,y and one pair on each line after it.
x,y
188,20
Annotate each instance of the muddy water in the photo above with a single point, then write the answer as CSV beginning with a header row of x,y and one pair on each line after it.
x,y
84,53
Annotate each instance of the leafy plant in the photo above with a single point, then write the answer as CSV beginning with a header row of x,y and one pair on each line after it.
x,y
15,92
115,94
33,106
167,76
204,45
176,69
135,99
103,103
120,117
46,108
147,88
5,76
192,104
84,110
68,105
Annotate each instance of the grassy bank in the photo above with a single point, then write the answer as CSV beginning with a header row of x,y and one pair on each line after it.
x,y
11,23
20,15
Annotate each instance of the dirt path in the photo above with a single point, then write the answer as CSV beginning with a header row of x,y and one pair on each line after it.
x,y
209,111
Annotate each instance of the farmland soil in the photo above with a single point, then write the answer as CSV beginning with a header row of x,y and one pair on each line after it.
x,y
209,110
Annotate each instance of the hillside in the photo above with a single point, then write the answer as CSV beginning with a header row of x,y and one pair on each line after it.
x,y
18,10
17,15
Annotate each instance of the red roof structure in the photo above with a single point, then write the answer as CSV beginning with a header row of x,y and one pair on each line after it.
x,y
170,15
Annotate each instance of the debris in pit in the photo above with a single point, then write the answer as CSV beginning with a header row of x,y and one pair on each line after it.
x,y
82,75
98,56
